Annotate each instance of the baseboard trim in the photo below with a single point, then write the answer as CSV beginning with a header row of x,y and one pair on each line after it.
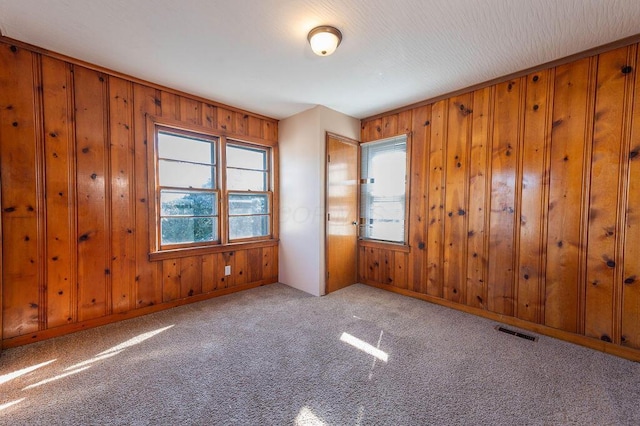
x,y
599,345
97,322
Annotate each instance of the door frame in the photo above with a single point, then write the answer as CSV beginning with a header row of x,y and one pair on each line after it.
x,y
349,141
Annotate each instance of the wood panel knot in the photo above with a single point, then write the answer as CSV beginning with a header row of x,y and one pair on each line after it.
x,y
605,338
535,78
627,69
13,49
630,280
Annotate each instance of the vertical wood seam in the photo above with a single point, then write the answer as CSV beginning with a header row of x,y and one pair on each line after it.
x,y
41,203
106,118
623,191
443,196
586,193
466,202
73,192
427,181
131,149
487,201
546,187
517,216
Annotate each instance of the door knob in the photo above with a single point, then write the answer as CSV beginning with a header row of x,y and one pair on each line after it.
x,y
354,223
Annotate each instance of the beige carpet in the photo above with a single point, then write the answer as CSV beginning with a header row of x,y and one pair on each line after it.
x,y
276,356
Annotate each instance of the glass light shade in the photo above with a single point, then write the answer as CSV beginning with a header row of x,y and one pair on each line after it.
x,y
324,40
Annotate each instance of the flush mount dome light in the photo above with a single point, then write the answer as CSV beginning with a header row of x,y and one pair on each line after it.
x,y
324,40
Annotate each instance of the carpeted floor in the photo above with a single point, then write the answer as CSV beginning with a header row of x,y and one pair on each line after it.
x,y
276,356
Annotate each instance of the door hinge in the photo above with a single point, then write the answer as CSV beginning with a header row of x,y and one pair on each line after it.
x,y
328,216
328,158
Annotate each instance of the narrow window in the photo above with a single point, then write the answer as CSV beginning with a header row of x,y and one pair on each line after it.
x,y
187,188
249,191
383,189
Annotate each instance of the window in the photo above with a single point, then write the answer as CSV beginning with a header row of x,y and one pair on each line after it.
x,y
187,188
248,191
383,189
204,198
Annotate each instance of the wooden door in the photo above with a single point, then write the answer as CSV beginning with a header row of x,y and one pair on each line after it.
x,y
341,212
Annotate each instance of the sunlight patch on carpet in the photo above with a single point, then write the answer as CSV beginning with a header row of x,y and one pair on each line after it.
x,y
9,404
364,346
306,417
10,376
53,379
135,340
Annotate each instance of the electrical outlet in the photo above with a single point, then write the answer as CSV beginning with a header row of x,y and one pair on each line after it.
x,y
227,270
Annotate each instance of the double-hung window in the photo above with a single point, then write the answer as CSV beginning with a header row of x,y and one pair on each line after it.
x,y
383,185
188,188
248,191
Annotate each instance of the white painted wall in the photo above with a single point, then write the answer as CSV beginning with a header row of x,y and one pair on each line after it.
x,y
302,146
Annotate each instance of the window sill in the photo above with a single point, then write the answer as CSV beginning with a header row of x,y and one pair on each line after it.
x,y
386,245
203,250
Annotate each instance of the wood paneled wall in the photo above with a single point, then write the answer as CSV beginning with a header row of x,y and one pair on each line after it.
x,y
525,202
75,220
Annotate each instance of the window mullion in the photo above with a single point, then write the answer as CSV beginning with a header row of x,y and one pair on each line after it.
x,y
223,211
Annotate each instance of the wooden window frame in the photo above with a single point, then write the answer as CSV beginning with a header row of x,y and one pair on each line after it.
x,y
215,142
269,190
159,252
371,242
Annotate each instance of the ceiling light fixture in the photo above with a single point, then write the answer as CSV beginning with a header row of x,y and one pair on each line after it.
x,y
324,40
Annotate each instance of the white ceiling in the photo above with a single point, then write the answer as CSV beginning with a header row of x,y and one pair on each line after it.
x,y
253,54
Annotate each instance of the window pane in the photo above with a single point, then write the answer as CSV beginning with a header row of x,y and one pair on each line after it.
x,y
186,175
248,226
186,149
386,230
246,180
188,203
176,230
383,200
248,204
246,158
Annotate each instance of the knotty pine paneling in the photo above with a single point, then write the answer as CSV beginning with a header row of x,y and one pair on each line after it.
x,y
435,190
22,265
75,213
148,278
477,204
606,199
122,194
524,202
574,91
418,172
533,189
503,214
60,190
455,205
630,324
93,195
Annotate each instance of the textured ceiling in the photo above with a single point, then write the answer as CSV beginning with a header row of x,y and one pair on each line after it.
x,y
253,54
